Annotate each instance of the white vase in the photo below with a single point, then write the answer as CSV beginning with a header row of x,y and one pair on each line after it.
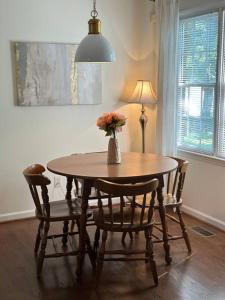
x,y
114,155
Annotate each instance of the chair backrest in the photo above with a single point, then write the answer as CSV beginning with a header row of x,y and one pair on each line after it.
x,y
35,178
140,190
175,183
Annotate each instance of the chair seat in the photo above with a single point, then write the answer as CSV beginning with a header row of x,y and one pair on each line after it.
x,y
61,210
93,200
93,203
127,214
169,201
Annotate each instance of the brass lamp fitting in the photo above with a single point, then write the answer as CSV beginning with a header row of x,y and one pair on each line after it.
x,y
94,26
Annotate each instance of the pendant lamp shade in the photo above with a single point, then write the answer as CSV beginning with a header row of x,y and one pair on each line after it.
x,y
95,47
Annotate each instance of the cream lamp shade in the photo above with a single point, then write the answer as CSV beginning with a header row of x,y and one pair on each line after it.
x,y
143,93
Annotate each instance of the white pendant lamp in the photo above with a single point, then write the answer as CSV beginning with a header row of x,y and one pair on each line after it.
x,y
94,47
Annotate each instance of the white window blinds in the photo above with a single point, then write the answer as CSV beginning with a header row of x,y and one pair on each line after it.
x,y
198,43
221,98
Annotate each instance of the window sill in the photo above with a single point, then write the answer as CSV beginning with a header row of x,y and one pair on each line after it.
x,y
202,157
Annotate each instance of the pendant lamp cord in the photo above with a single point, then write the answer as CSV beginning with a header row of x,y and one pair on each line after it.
x,y
94,12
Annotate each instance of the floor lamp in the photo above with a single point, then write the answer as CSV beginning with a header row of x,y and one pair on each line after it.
x,y
143,94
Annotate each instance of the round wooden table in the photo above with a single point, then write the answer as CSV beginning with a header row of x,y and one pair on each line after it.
x,y
135,167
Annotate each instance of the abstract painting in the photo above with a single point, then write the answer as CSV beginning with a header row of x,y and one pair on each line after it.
x,y
46,74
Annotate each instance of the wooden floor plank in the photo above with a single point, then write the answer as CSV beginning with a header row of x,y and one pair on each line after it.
x,y
200,276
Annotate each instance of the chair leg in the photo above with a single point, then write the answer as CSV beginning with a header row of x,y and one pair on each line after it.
x,y
96,242
147,246
150,255
131,235
72,225
90,251
42,251
100,259
38,237
125,234
184,230
162,214
65,232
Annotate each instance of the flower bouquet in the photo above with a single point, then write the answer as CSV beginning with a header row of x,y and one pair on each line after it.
x,y
112,123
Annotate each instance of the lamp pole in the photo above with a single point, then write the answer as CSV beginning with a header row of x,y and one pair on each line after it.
x,y
143,122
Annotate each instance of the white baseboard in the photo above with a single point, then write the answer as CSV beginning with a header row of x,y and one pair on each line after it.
x,y
17,215
186,209
204,217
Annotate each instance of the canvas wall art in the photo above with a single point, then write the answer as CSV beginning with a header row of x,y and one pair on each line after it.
x,y
46,74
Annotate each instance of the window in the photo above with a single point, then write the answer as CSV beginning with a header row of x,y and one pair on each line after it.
x,y
201,85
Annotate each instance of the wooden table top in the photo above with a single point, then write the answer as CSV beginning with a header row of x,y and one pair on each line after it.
x,y
94,165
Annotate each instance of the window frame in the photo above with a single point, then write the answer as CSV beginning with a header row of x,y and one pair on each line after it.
x,y
220,51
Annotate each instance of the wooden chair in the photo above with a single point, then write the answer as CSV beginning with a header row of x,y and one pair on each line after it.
x,y
48,212
125,219
173,201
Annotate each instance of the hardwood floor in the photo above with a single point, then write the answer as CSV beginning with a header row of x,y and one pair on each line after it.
x,y
201,276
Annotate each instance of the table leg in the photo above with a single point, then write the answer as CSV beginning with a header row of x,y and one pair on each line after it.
x,y
69,187
86,191
162,214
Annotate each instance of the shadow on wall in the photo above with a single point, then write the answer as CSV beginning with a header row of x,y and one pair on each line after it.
x,y
142,57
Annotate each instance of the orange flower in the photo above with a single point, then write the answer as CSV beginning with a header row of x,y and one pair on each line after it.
x,y
109,119
111,122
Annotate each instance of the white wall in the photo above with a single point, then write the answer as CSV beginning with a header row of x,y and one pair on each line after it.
x,y
39,134
204,193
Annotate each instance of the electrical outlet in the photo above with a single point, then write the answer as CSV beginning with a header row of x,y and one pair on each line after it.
x,y
57,182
